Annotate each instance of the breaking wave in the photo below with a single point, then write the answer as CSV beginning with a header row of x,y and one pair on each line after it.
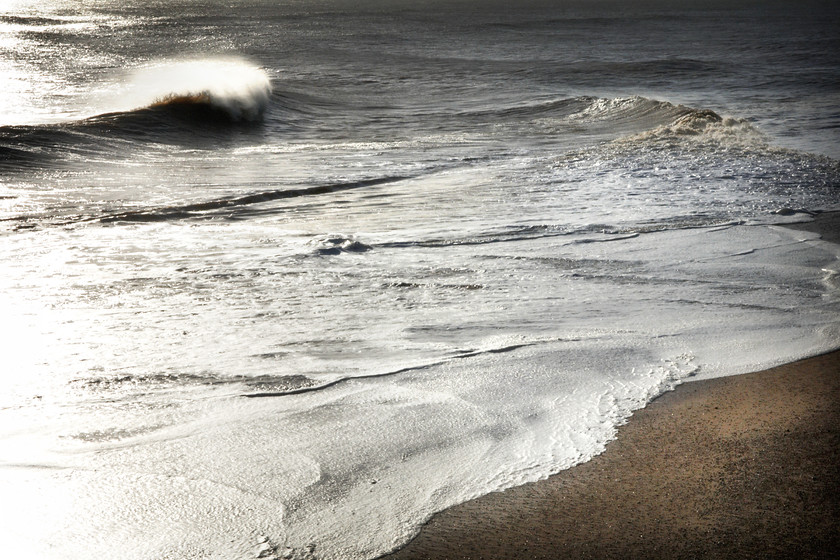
x,y
653,121
213,91
166,102
703,125
232,88
631,118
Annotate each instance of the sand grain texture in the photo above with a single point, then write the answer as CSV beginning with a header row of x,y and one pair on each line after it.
x,y
735,467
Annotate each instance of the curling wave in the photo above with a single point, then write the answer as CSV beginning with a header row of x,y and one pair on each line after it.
x,y
230,88
164,102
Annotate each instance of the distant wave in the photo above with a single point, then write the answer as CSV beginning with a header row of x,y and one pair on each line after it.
x,y
196,91
634,108
704,125
165,102
633,113
197,102
651,121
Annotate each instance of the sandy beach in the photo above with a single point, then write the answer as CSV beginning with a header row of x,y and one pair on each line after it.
x,y
736,467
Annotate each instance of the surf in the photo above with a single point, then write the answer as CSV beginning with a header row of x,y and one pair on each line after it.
x,y
183,102
214,89
229,87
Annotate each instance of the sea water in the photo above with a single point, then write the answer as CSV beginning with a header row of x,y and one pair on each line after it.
x,y
283,279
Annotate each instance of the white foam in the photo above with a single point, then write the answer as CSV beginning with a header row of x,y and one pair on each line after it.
x,y
353,470
234,85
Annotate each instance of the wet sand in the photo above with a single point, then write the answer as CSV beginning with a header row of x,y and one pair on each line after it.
x,y
736,467
826,224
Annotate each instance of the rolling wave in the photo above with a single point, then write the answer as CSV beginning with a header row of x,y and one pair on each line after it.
x,y
212,91
633,115
160,102
198,103
156,100
230,88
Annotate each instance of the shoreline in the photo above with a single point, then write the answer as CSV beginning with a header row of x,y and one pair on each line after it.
x,y
827,224
744,466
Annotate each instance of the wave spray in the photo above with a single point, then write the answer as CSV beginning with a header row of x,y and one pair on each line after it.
x,y
234,87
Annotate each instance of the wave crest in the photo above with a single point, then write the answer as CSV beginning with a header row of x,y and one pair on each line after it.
x,y
702,125
233,88
635,109
664,122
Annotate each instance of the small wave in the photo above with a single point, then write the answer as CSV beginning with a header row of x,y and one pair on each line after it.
x,y
702,124
41,24
30,20
633,113
232,203
337,244
636,109
225,208
459,355
15,157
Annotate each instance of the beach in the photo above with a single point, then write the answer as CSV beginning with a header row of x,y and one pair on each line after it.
x,y
746,466
734,467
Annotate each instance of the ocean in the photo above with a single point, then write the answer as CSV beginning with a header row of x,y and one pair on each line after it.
x,y
281,279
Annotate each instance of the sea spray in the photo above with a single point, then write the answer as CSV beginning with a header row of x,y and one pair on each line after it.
x,y
230,85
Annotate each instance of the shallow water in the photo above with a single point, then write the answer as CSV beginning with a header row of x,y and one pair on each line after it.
x,y
285,281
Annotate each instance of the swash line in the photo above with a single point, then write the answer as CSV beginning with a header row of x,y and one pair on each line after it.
x,y
470,354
